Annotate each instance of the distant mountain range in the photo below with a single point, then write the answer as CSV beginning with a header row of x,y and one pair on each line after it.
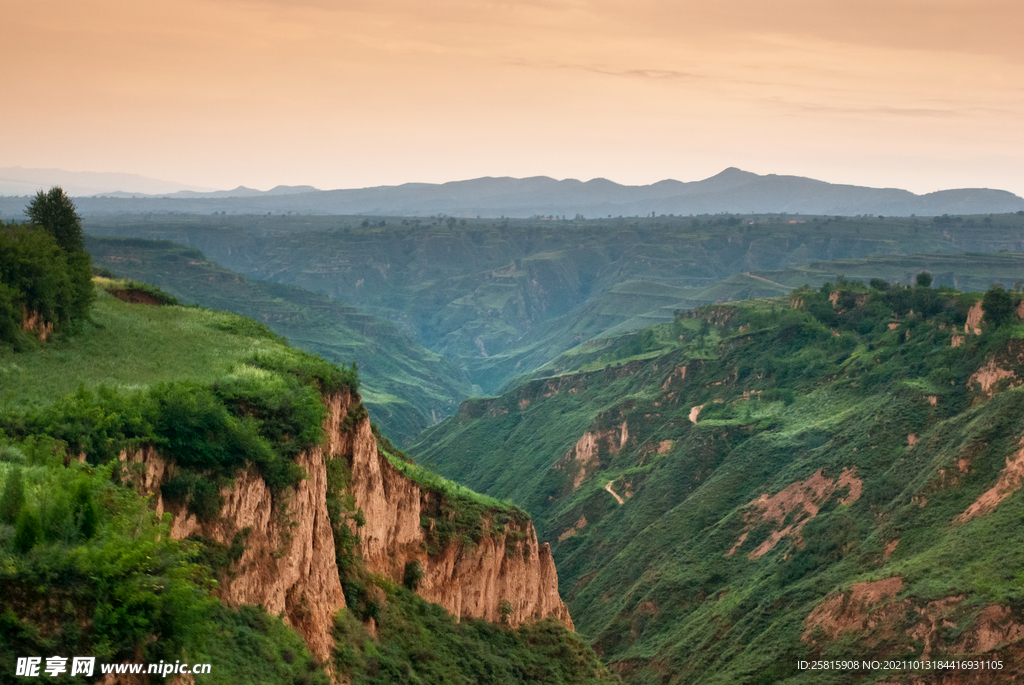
x,y
731,191
20,181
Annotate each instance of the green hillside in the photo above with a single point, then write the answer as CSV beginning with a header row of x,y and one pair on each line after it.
x,y
966,272
501,297
406,387
832,474
87,567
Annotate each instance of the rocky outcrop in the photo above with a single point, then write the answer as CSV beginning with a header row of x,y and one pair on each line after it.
x,y
288,564
795,506
873,612
1011,478
583,458
471,581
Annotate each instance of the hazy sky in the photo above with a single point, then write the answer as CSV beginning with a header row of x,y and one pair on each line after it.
x,y
919,94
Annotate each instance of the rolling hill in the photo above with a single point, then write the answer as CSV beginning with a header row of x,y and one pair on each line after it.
x,y
824,475
180,488
406,386
501,298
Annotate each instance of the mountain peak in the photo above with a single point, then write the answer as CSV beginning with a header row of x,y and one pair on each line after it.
x,y
733,173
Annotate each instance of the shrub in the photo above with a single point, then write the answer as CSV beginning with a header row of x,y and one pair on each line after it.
x,y
505,611
13,499
290,415
413,574
88,517
28,531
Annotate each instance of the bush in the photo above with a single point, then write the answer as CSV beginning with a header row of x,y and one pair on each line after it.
x,y
199,493
13,499
289,414
131,592
878,284
413,575
28,531
419,642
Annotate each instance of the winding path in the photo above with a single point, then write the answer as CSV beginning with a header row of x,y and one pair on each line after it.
x,y
608,487
787,287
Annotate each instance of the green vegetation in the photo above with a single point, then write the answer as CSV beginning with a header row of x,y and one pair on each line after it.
x,y
264,412
855,406
94,572
503,297
44,271
248,645
346,518
405,386
55,213
88,568
101,576
419,642
42,287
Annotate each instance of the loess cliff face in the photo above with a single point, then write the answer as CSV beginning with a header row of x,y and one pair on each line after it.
x,y
468,581
289,565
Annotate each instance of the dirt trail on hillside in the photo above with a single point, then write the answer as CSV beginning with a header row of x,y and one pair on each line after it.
x,y
787,287
608,487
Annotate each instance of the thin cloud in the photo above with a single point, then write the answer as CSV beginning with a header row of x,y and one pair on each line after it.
x,y
646,74
877,110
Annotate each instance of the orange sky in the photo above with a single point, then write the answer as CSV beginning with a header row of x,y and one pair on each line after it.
x,y
910,93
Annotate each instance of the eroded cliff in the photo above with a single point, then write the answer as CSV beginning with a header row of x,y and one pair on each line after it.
x,y
288,563
469,579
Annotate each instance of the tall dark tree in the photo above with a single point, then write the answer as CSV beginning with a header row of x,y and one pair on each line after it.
x,y
998,305
13,499
56,213
45,272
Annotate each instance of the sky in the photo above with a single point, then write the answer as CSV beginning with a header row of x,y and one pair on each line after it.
x,y
916,94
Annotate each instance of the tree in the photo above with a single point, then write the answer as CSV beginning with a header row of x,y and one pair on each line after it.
x,y
56,213
878,284
998,305
924,280
13,498
28,531
40,281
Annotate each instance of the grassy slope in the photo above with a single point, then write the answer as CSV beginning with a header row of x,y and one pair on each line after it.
x,y
648,581
130,347
405,386
502,297
69,592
